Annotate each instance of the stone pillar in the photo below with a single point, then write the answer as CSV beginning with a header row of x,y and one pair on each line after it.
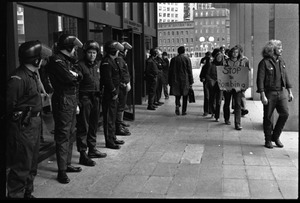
x,y
248,41
287,30
260,19
241,25
233,24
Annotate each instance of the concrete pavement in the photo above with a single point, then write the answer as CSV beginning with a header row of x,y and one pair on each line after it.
x,y
192,156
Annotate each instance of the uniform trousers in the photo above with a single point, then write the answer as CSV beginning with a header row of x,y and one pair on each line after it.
x,y
109,117
151,87
87,121
23,143
64,115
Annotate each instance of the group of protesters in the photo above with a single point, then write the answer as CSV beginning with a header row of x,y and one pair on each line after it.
x,y
272,78
213,95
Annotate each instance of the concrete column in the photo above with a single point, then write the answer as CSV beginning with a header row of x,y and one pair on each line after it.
x,y
233,24
260,18
248,39
287,30
241,25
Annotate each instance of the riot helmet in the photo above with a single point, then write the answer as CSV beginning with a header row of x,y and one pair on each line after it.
x,y
111,47
68,42
126,45
32,52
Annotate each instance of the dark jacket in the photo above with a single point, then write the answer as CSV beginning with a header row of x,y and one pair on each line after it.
x,y
266,74
125,75
91,76
23,91
211,75
110,76
62,80
180,75
151,68
205,67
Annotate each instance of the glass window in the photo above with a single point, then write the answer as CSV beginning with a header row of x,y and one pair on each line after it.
x,y
21,24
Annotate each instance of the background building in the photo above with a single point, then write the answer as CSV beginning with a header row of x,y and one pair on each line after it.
x,y
211,29
175,34
170,12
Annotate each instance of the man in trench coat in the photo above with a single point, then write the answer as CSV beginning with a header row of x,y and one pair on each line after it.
x,y
180,79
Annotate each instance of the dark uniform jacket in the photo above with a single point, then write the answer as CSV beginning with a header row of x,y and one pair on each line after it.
x,y
151,68
180,75
62,80
266,77
110,76
125,75
23,91
90,76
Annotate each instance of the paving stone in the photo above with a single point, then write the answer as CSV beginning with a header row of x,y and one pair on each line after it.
x,y
165,169
285,173
289,188
260,172
264,189
235,188
234,171
157,184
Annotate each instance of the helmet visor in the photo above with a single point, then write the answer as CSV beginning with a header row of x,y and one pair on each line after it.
x,y
118,46
127,45
77,42
46,52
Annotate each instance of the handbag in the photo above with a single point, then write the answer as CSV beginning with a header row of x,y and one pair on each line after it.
x,y
191,95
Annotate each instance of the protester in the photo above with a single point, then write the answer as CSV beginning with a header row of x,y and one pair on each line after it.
x,y
89,103
180,79
110,79
125,87
165,74
224,51
206,61
235,60
215,94
244,110
151,78
24,106
272,77
65,77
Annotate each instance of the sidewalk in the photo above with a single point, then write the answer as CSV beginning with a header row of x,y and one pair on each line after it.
x,y
169,156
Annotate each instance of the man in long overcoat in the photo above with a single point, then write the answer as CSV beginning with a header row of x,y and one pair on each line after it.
x,y
180,79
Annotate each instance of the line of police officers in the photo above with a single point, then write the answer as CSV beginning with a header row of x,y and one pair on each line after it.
x,y
79,89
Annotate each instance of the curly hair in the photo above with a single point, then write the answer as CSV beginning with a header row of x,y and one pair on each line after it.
x,y
269,48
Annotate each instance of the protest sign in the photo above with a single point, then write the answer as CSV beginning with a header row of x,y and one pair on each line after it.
x,y
233,78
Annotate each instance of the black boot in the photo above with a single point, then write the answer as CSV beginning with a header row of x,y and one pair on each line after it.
x,y
268,142
120,130
94,153
62,177
85,160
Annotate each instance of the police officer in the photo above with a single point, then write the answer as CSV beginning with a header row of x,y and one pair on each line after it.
x,y
110,80
159,83
89,99
24,105
123,91
151,78
64,78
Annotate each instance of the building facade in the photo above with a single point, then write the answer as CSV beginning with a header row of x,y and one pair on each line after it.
x,y
100,21
212,29
175,34
170,12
